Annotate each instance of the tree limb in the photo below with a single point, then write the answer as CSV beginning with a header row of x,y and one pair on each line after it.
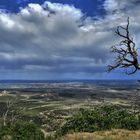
x,y
126,53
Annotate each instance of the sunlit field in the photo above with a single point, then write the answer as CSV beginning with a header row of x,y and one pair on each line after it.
x,y
104,135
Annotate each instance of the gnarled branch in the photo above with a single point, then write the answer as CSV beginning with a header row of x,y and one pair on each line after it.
x,y
126,52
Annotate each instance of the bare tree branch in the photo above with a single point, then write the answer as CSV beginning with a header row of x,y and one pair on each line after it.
x,y
9,105
11,114
126,52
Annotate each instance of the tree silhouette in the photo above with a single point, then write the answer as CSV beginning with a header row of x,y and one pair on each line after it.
x,y
127,58
126,52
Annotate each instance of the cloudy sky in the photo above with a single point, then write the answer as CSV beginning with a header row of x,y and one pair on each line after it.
x,y
63,39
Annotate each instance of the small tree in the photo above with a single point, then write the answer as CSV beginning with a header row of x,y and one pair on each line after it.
x,y
126,52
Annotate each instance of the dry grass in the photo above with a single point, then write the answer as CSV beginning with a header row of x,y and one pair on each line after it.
x,y
105,135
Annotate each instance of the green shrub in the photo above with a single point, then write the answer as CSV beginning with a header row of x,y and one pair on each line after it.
x,y
22,131
103,118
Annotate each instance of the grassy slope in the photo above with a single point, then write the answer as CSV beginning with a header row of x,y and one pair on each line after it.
x,y
105,135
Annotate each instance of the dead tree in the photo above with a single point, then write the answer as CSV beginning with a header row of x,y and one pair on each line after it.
x,y
11,114
9,105
126,57
125,51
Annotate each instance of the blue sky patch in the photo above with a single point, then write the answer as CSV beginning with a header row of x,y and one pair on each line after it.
x,y
88,7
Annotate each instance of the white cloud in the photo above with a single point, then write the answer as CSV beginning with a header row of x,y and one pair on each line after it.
x,y
6,21
111,5
35,8
63,9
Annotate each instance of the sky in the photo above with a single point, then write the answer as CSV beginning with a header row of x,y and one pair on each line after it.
x,y
63,39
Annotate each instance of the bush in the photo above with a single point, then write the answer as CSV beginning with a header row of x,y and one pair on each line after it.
x,y
103,118
21,131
